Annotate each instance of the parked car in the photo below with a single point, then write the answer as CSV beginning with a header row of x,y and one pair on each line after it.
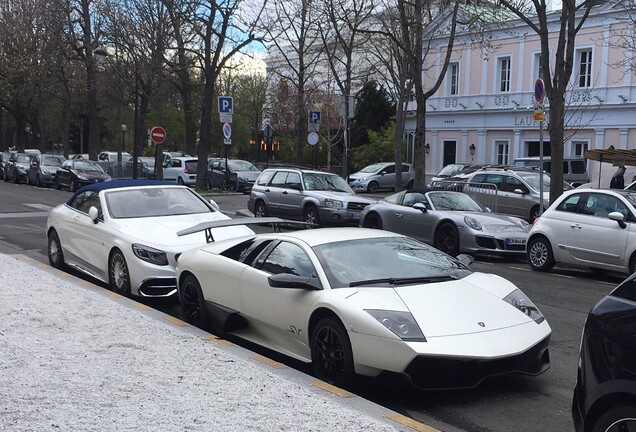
x,y
18,166
246,173
75,173
356,300
456,171
182,169
315,197
377,176
43,169
451,221
586,227
605,392
574,169
147,164
514,192
4,161
111,156
124,233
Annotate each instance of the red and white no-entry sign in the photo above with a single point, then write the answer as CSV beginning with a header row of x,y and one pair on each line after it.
x,y
158,135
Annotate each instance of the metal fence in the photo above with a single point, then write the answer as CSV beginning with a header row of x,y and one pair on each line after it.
x,y
124,170
486,194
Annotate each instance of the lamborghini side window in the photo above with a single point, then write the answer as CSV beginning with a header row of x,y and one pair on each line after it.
x,y
288,258
247,251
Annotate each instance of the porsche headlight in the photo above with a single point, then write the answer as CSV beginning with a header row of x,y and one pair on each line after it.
x,y
519,300
402,324
151,255
333,203
472,223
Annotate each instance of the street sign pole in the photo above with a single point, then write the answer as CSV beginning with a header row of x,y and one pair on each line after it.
x,y
539,95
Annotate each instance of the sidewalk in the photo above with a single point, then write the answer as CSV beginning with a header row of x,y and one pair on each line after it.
x,y
76,357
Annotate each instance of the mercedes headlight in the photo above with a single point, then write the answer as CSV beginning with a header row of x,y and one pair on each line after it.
x,y
402,324
151,255
333,203
474,224
525,223
521,301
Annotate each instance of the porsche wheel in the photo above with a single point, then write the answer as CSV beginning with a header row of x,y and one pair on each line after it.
x,y
119,277
331,354
372,221
447,239
192,302
56,256
373,187
617,419
260,209
310,215
540,256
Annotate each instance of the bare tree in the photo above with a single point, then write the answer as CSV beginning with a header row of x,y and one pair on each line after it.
x,y
557,73
343,37
294,53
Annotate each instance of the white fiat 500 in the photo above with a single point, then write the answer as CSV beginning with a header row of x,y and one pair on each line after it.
x,y
124,233
365,301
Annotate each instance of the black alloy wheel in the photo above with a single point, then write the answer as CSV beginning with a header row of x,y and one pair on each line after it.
x,y
373,187
621,418
119,277
447,239
331,354
192,302
56,256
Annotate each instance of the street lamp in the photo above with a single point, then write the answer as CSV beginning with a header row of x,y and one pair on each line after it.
x,y
27,129
124,128
91,55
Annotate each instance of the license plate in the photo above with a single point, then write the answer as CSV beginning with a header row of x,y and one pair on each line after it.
x,y
354,216
516,241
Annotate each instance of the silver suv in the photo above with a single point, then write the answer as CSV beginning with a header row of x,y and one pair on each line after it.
x,y
312,196
512,192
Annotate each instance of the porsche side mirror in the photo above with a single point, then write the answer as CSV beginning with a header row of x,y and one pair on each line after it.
x,y
421,207
215,205
93,213
286,280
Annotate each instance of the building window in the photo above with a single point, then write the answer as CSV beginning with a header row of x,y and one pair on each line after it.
x,y
504,74
502,152
579,148
585,68
453,79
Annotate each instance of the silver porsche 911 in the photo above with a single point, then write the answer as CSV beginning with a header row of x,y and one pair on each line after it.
x,y
451,221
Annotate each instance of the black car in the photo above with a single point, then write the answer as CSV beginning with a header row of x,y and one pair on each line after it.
x,y
17,167
605,392
75,173
4,161
244,172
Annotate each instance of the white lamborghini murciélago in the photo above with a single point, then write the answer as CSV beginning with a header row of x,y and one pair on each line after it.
x,y
365,301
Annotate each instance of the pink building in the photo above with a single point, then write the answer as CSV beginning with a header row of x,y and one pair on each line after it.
x,y
483,110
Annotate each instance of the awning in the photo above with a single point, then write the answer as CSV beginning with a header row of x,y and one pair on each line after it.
x,y
614,156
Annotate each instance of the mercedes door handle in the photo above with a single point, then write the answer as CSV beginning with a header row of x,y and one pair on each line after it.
x,y
398,215
576,226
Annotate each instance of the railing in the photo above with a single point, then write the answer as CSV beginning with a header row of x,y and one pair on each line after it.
x,y
484,193
124,170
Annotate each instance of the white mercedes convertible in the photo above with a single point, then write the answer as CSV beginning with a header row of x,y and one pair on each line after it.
x,y
363,301
124,233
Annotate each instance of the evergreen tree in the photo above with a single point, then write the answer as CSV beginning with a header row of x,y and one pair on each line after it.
x,y
374,110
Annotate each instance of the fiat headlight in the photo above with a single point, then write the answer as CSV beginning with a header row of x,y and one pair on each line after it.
x,y
473,223
521,301
151,255
333,203
402,324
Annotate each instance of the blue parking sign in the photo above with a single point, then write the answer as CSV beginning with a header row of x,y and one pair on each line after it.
x,y
226,105
314,117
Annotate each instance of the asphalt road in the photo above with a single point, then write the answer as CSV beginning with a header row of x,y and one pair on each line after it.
x,y
510,403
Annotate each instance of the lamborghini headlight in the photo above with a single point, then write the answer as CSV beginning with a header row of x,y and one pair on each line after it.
x,y
151,255
333,203
519,300
474,224
402,324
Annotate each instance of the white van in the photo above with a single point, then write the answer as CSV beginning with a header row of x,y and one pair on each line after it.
x,y
574,169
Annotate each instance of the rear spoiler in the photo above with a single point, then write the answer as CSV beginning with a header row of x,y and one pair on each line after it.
x,y
209,226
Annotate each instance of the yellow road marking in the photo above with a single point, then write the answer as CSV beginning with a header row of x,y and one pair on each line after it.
x,y
218,341
332,389
176,321
63,274
112,294
409,422
88,284
27,258
42,265
269,362
142,306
